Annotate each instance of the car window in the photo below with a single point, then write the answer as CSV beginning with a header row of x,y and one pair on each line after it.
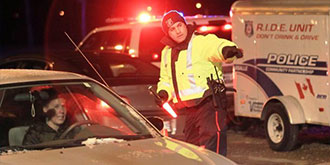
x,y
150,44
132,68
112,40
81,109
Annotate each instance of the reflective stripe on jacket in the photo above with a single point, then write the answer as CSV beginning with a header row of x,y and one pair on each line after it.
x,y
193,66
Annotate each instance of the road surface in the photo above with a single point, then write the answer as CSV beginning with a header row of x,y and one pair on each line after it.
x,y
250,147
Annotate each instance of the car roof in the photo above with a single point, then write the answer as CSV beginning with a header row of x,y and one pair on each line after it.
x,y
9,76
156,22
198,19
202,19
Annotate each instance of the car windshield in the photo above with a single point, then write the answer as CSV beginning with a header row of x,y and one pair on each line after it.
x,y
52,114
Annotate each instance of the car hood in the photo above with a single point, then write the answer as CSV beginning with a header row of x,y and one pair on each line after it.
x,y
140,152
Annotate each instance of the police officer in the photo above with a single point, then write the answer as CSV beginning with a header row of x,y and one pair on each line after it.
x,y
188,59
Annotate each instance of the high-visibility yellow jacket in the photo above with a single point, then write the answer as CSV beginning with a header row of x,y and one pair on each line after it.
x,y
193,66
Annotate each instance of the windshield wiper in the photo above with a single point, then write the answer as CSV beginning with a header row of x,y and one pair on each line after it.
x,y
53,144
134,137
11,149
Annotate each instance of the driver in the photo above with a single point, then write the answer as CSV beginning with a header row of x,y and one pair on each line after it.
x,y
55,114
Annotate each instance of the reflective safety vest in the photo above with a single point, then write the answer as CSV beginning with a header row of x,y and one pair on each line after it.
x,y
193,66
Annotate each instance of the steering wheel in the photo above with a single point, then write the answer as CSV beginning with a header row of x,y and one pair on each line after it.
x,y
76,124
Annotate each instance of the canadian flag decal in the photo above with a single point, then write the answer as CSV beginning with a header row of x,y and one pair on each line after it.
x,y
302,87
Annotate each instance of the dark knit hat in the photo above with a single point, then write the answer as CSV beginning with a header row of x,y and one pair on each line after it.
x,y
171,18
45,96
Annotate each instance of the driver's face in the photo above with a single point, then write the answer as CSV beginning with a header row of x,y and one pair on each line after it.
x,y
58,106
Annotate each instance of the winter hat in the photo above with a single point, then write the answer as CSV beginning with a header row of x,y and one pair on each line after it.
x,y
171,18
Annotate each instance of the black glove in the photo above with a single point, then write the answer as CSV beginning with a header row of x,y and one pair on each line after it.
x,y
163,96
231,51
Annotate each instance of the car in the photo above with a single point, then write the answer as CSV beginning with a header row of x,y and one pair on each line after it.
x,y
142,38
129,77
103,128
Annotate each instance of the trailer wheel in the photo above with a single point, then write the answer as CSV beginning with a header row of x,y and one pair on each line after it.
x,y
281,135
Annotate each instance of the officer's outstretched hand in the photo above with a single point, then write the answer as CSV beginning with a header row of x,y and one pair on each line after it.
x,y
163,96
231,51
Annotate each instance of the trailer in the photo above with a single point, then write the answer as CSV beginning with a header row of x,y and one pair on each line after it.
x,y
283,78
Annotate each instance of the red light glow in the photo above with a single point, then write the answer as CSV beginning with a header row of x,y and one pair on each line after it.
x,y
204,29
119,47
227,27
131,51
144,17
198,5
155,56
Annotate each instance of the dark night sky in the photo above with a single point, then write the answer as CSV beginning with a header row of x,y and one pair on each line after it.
x,y
32,23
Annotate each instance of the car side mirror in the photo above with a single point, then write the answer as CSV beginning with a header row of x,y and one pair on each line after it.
x,y
157,122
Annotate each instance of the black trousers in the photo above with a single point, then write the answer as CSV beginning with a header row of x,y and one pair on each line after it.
x,y
207,126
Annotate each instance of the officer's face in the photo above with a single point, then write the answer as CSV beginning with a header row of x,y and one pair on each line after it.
x,y
178,32
59,111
